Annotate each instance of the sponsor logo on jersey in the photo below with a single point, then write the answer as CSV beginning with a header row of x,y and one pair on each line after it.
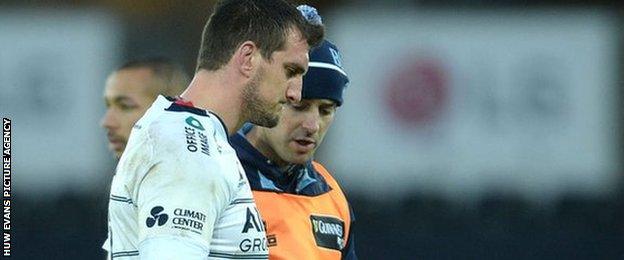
x,y
196,139
194,123
157,217
253,245
190,220
272,240
328,231
253,222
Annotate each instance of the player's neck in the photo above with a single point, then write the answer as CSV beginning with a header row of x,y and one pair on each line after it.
x,y
255,139
218,92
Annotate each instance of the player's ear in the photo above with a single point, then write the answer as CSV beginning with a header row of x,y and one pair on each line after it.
x,y
246,58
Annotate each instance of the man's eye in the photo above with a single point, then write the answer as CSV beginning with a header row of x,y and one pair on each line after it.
x,y
299,106
327,111
290,72
126,107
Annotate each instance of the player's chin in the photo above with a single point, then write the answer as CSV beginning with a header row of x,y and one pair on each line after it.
x,y
117,149
118,154
268,120
299,159
113,148
272,122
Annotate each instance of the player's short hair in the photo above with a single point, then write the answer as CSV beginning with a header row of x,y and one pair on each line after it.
x,y
267,23
171,74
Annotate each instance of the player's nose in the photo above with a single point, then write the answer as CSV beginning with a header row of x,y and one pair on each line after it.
x,y
311,123
293,92
108,120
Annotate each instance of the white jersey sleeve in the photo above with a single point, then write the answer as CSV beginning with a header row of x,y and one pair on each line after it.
x,y
181,195
171,248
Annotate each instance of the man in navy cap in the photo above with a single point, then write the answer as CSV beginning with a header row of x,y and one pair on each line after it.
x,y
305,211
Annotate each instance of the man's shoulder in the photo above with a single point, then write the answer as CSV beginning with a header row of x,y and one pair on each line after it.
x,y
319,167
174,141
166,117
175,128
326,174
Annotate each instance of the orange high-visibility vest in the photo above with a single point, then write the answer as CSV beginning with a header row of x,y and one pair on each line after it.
x,y
305,227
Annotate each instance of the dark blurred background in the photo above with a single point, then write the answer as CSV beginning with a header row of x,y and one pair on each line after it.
x,y
472,129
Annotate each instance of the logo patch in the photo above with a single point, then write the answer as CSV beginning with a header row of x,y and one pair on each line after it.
x,y
196,139
190,220
156,217
336,56
253,221
328,232
194,123
272,240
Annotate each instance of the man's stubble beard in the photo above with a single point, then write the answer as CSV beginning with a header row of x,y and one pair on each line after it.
x,y
254,109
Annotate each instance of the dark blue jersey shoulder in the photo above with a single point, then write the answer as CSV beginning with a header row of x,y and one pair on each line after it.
x,y
263,175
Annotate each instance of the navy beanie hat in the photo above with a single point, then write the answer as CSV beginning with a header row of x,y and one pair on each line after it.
x,y
325,78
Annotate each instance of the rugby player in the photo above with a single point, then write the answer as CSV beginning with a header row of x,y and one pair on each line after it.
x,y
307,215
179,191
131,89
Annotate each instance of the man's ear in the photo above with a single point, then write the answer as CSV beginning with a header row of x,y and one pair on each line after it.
x,y
246,57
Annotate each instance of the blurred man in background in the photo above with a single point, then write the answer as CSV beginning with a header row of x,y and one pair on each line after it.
x,y
307,215
179,191
131,89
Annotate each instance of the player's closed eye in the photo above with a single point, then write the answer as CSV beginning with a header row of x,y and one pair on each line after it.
x,y
327,110
126,106
300,106
290,72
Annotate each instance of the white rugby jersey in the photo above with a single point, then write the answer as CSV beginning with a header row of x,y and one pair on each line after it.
x,y
179,178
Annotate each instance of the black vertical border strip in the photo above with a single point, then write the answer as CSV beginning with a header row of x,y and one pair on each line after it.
x,y
6,187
